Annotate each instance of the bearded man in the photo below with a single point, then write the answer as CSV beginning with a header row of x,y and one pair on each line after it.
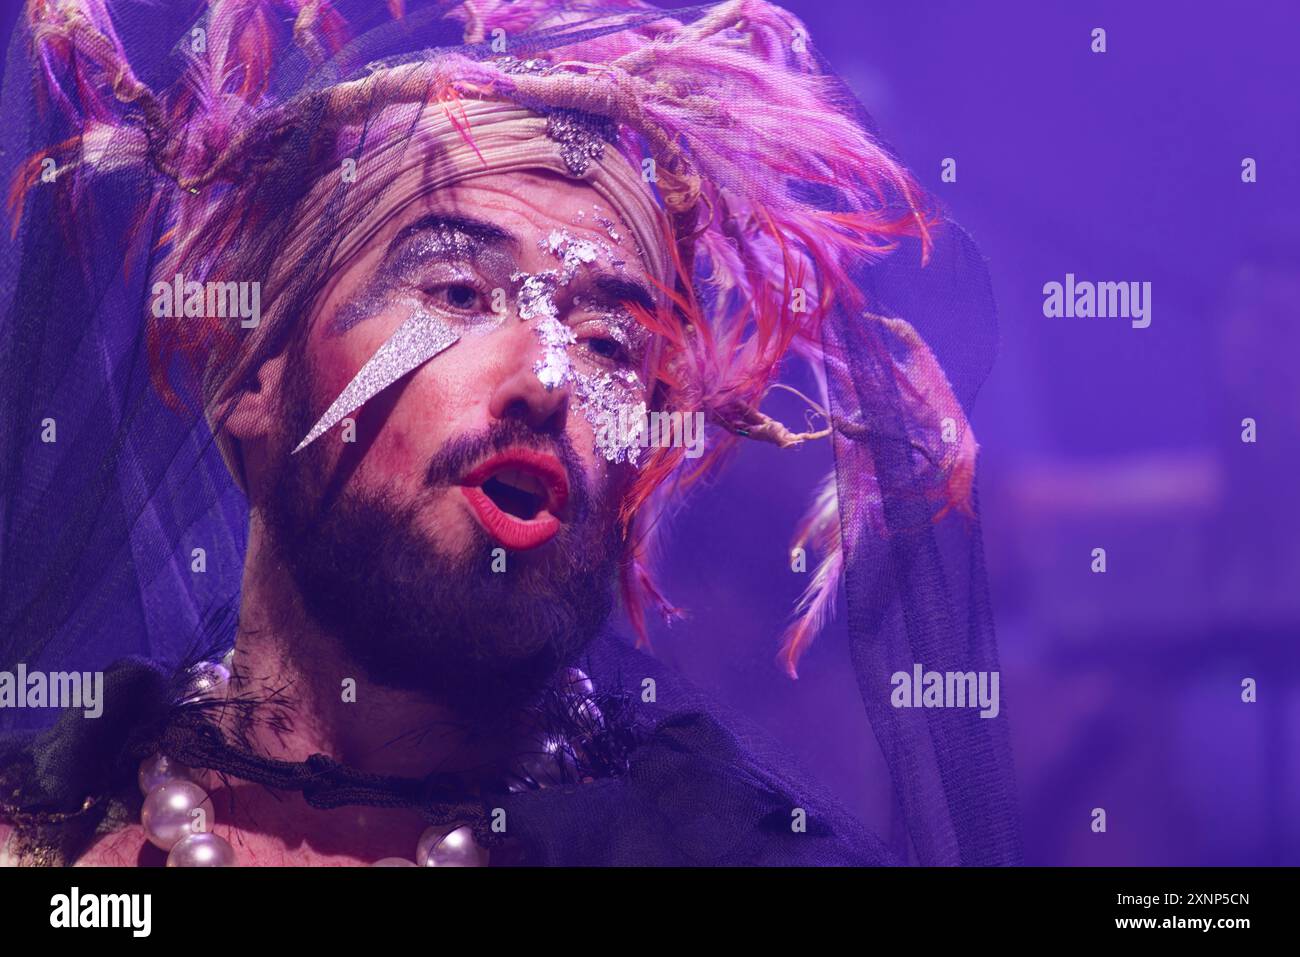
x,y
474,265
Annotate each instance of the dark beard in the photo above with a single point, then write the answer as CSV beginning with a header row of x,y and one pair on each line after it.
x,y
414,618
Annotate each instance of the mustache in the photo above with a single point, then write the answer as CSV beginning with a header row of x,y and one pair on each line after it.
x,y
457,456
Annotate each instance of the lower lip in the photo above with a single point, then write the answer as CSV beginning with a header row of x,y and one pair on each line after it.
x,y
510,531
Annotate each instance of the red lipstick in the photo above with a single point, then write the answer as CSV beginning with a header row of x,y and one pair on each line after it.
x,y
518,497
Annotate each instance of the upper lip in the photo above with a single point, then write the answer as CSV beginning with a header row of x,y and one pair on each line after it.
x,y
545,468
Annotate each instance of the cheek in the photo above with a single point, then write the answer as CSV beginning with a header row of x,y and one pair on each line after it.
x,y
608,481
437,402
618,481
398,430
610,409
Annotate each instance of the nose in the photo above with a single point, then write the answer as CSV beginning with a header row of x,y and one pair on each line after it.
x,y
522,396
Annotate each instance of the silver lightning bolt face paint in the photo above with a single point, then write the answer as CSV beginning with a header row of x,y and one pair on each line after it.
x,y
606,397
421,336
417,340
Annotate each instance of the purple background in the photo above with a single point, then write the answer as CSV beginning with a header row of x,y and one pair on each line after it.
x,y
1123,689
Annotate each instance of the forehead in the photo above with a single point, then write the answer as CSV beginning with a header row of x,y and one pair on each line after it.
x,y
530,205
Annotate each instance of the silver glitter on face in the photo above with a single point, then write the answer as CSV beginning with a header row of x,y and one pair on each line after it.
x,y
417,340
611,227
401,271
441,254
535,301
446,255
572,252
623,328
536,296
612,401
609,224
554,366
608,399
603,395
443,242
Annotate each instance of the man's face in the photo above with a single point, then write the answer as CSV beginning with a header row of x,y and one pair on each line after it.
x,y
466,541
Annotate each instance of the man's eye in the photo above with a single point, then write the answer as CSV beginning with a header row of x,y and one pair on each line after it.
x,y
455,295
606,348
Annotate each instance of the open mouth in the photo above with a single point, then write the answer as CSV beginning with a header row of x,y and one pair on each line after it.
x,y
516,493
518,497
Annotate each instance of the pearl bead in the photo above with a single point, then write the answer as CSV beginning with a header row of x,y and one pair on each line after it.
x,y
428,840
581,689
578,681
548,762
394,862
207,680
440,847
201,850
159,770
167,814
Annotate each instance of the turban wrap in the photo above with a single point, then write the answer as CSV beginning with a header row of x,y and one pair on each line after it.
x,y
425,147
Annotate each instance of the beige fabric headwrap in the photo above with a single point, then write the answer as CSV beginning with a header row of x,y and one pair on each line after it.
x,y
420,150
432,153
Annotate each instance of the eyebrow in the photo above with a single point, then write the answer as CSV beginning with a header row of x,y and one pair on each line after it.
x,y
480,231
607,287
618,289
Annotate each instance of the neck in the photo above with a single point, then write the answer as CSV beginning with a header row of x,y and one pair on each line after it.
x,y
322,701
319,702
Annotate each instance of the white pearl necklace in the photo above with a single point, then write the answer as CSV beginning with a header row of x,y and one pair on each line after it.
x,y
177,814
